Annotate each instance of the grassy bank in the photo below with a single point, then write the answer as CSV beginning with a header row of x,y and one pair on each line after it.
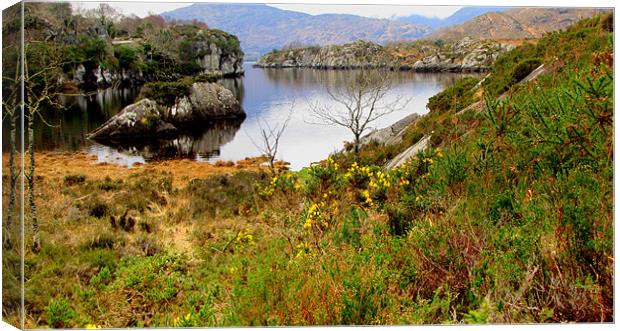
x,y
507,218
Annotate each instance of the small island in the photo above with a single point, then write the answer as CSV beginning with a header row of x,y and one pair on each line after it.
x,y
465,55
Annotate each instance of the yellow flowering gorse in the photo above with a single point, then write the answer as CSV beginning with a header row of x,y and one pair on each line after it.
x,y
92,326
245,237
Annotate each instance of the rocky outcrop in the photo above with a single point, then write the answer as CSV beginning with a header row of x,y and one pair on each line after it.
x,y
410,152
218,53
147,118
392,134
466,55
215,61
359,54
207,51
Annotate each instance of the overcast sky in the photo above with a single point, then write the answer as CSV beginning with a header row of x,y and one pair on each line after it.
x,y
383,11
440,8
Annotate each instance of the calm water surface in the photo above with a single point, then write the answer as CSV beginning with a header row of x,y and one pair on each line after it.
x,y
265,95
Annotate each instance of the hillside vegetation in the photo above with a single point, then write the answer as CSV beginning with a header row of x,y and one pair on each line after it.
x,y
507,218
100,47
516,23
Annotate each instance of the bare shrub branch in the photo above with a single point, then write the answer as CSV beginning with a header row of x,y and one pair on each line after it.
x,y
270,135
362,100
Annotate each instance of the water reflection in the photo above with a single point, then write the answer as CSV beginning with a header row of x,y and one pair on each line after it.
x,y
192,143
265,95
270,93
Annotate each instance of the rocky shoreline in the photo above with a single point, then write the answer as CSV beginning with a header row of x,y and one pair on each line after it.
x,y
466,55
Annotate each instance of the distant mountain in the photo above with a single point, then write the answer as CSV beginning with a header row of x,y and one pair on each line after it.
x,y
261,28
460,16
517,23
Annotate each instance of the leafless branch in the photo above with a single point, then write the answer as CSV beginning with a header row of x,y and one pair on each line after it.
x,y
361,100
270,136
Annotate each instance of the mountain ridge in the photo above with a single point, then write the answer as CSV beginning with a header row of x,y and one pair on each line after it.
x,y
460,16
262,28
516,23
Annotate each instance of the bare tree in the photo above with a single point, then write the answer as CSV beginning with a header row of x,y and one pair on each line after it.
x,y
270,135
42,87
11,98
362,100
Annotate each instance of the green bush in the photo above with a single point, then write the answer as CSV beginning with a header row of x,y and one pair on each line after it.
x,y
523,69
166,93
59,314
503,74
127,57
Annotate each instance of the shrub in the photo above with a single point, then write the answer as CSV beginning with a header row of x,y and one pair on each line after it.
x,y
166,93
523,69
127,57
74,179
454,98
503,74
59,314
225,194
99,209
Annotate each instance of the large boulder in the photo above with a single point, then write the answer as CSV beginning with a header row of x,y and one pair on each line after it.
x,y
141,119
206,101
147,118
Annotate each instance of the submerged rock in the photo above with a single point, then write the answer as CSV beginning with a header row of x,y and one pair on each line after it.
x,y
147,118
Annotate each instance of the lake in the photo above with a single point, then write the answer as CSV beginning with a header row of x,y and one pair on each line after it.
x,y
266,95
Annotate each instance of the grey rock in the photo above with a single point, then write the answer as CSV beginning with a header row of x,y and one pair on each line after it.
x,y
207,101
216,62
392,134
146,118
140,119
410,152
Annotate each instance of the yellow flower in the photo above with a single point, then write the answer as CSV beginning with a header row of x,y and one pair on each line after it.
x,y
367,197
308,223
92,326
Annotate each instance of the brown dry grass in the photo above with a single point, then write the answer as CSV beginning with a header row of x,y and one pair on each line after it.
x,y
56,166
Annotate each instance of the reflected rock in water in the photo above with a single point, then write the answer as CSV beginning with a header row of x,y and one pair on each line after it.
x,y
190,143
301,77
235,85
